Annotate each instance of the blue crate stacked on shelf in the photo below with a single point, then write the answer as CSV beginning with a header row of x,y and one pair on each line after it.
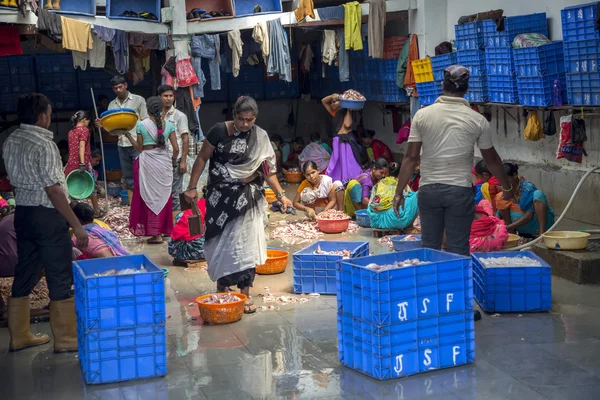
x,y
581,52
512,288
316,273
474,60
57,80
538,69
430,91
249,82
121,319
16,78
404,321
502,76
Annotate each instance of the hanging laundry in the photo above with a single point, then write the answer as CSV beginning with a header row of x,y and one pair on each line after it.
x,y
402,65
306,57
235,43
147,40
76,35
105,34
183,67
50,23
352,20
139,55
305,8
205,46
328,46
260,34
376,24
279,58
344,62
97,54
327,13
163,42
10,41
413,54
80,60
121,51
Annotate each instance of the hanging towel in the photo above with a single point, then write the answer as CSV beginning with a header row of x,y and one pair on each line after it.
x,y
235,42
10,41
97,54
279,59
352,20
80,60
402,64
327,13
328,46
121,51
260,34
305,8
76,35
413,54
104,34
344,61
376,24
50,23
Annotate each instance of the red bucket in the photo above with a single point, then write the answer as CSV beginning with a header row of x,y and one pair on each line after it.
x,y
333,225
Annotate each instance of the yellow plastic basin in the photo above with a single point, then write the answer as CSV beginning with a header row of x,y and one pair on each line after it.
x,y
119,121
566,240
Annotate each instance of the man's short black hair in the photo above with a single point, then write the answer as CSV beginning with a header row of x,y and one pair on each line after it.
x,y
118,80
276,138
165,88
30,106
102,97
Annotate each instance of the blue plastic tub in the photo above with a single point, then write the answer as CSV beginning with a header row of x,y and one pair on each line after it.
x,y
440,63
400,245
316,273
499,61
512,289
474,60
547,59
578,22
362,218
584,89
407,348
125,197
503,89
118,355
470,36
442,286
118,301
513,26
582,56
538,90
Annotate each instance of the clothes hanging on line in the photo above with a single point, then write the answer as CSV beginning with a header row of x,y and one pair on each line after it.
x,y
306,57
376,26
327,13
50,23
105,34
260,34
279,61
76,35
120,47
97,54
344,62
235,43
305,8
10,41
352,20
328,46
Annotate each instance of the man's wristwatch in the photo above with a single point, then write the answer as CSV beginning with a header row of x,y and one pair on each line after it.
x,y
280,195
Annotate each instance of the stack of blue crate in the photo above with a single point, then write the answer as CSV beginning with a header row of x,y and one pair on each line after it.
x,y
316,273
512,288
57,80
539,69
470,42
121,321
582,53
398,322
430,91
16,78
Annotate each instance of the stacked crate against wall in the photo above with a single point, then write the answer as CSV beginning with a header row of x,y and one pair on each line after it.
x,y
121,321
582,52
470,42
430,91
400,320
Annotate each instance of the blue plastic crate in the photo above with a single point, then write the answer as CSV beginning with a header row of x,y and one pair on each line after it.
x,y
583,89
4,66
409,348
117,355
442,286
238,88
582,55
429,92
244,8
316,273
440,63
513,26
22,65
362,218
578,22
499,61
8,103
512,289
400,245
538,90
474,60
77,7
547,59
387,70
503,89
119,301
114,8
281,90
470,36
478,90
54,63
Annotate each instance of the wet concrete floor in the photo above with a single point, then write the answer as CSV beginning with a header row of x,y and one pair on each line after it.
x,y
292,353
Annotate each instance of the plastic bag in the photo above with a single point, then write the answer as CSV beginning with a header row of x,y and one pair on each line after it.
x,y
566,148
550,124
403,132
186,76
533,130
579,135
382,196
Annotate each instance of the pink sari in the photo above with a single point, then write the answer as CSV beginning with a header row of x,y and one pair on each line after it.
x,y
488,233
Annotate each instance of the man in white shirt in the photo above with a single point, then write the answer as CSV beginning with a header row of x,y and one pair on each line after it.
x,y
443,137
126,99
179,119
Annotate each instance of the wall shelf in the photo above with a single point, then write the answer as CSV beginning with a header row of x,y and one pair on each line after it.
x,y
76,7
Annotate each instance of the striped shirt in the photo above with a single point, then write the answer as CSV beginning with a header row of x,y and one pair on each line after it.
x,y
33,164
137,104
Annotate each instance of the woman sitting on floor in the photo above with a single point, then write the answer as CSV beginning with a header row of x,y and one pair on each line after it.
x,y
182,246
318,191
487,186
488,233
103,242
316,153
358,191
528,213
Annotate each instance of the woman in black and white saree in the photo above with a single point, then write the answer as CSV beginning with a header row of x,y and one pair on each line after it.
x,y
241,160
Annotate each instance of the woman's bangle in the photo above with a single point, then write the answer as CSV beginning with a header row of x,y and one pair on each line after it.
x,y
508,190
398,197
191,188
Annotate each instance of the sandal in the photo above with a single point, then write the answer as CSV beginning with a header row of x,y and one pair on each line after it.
x,y
148,15
249,308
154,241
